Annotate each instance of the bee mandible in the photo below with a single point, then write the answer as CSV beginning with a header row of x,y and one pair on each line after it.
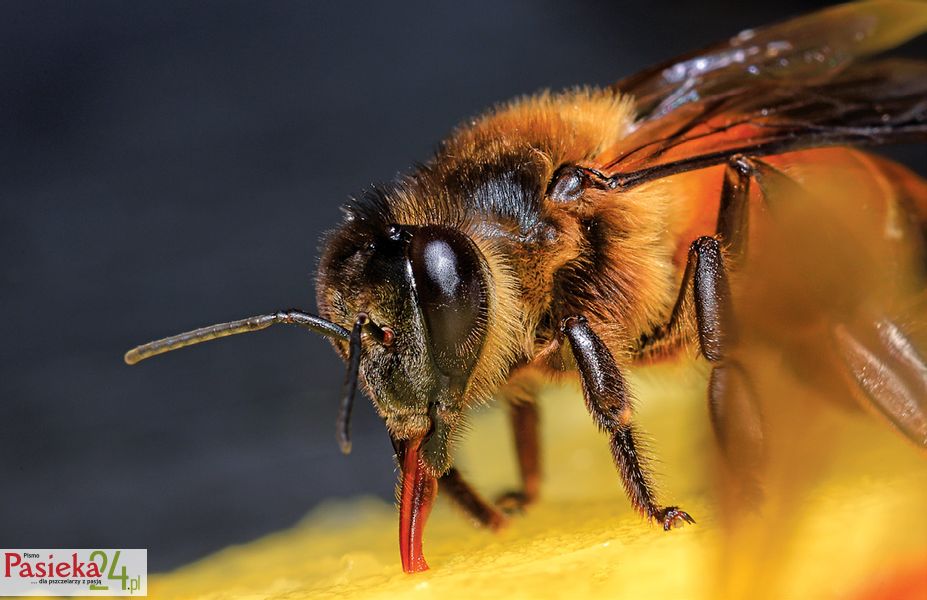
x,y
594,231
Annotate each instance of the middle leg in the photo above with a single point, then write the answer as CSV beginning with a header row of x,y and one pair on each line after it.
x,y
465,497
520,393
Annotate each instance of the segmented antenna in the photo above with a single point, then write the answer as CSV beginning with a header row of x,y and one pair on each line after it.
x,y
343,424
383,335
220,330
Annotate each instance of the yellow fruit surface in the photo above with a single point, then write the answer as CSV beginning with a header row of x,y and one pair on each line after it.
x,y
858,522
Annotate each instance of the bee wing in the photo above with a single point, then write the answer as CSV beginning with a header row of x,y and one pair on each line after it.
x,y
808,48
777,89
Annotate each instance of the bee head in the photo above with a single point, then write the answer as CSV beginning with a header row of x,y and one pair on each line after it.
x,y
426,291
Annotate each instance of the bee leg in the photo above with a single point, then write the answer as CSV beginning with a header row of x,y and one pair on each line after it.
x,y
738,427
735,414
734,212
714,317
484,514
520,393
609,402
732,231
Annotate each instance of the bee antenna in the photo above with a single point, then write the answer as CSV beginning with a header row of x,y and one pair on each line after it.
x,y
383,335
350,383
256,323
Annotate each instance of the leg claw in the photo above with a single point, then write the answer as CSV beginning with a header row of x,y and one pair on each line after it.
x,y
672,516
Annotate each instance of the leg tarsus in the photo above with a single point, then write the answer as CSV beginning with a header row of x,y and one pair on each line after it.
x,y
672,516
484,514
514,502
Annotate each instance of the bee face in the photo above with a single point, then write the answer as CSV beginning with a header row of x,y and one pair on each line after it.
x,y
429,284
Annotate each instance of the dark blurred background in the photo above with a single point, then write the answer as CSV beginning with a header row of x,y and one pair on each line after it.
x,y
168,164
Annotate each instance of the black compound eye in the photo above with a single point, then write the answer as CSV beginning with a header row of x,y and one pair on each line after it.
x,y
567,184
451,291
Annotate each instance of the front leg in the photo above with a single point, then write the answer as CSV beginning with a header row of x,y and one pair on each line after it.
x,y
484,514
609,402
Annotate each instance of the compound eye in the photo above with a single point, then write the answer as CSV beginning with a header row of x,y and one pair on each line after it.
x,y
451,291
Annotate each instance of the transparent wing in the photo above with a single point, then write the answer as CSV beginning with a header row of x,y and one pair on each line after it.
x,y
808,48
778,89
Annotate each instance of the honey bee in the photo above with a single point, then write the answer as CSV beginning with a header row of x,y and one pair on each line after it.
x,y
596,230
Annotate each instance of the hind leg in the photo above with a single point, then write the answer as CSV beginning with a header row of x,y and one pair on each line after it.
x,y
704,304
